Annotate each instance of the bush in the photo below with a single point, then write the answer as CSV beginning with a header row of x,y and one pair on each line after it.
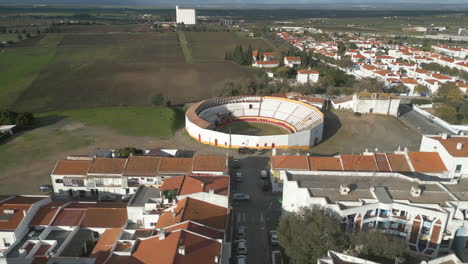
x,y
20,119
158,99
447,113
125,152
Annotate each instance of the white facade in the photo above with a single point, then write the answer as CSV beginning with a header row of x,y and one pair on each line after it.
x,y
307,77
376,105
456,164
186,16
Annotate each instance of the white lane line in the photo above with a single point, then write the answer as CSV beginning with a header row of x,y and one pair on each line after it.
x,y
238,218
262,220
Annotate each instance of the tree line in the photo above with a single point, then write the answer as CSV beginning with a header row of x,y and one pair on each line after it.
x,y
20,119
241,55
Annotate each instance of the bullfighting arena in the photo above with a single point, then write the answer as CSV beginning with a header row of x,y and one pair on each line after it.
x,y
255,122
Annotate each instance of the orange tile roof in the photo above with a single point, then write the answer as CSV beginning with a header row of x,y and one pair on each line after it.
x,y
427,162
422,71
398,162
194,184
210,163
107,166
118,259
358,163
409,81
16,218
176,165
369,67
44,216
267,62
172,183
450,144
105,244
308,72
72,167
69,217
142,166
42,250
440,76
293,58
105,217
290,162
198,249
382,162
197,211
196,228
382,72
325,164
24,200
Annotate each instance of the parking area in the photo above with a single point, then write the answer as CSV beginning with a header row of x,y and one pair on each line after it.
x,y
259,214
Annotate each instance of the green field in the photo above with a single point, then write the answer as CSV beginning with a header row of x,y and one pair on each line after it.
x,y
253,129
155,121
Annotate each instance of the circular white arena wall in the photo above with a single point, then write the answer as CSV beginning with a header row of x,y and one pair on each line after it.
x,y
303,121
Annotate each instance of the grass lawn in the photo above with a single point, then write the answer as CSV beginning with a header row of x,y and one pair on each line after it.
x,y
253,129
153,121
18,68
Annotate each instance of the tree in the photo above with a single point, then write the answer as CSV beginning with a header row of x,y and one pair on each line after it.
x,y
20,37
447,113
353,46
157,99
308,234
28,35
126,152
285,72
450,91
377,246
346,62
24,120
400,88
421,89
372,85
341,49
463,111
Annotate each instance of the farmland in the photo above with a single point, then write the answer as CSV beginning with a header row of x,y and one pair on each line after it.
x,y
104,67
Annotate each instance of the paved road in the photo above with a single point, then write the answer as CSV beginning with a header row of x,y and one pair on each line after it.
x,y
260,214
417,121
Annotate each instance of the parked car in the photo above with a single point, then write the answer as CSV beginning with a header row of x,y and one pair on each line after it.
x,y
262,151
241,259
241,232
240,197
238,177
247,151
242,246
126,197
265,186
263,174
273,237
46,188
235,164
107,197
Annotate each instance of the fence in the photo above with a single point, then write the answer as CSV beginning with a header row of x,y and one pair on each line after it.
x,y
455,129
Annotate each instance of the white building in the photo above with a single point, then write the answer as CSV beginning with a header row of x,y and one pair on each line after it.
x,y
186,16
307,76
452,149
292,61
376,103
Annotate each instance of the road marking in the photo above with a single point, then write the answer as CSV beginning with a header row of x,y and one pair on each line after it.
x,y
262,220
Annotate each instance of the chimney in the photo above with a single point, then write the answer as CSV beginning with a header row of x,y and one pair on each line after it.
x,y
162,234
459,146
444,135
415,191
344,189
181,250
216,259
24,213
211,191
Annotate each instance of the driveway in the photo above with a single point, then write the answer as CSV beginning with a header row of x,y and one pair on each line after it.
x,y
412,119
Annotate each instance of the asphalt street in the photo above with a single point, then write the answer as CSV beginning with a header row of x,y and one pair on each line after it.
x,y
412,119
260,214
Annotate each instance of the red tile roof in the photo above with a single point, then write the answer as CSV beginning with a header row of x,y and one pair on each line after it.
x,y
307,72
210,163
325,164
107,166
194,184
16,218
409,81
105,244
176,165
358,163
69,217
196,228
293,58
105,217
197,211
450,144
142,166
197,249
267,62
290,162
427,162
72,167
398,162
382,162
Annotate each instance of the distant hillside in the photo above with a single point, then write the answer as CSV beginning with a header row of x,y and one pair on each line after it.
x,y
255,3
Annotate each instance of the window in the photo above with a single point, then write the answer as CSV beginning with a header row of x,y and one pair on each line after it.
x,y
152,224
5,243
58,180
149,179
458,168
142,178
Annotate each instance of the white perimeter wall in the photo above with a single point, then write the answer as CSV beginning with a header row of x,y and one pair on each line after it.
x,y
300,139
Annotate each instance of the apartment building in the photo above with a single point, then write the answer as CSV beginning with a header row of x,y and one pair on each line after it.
x,y
93,176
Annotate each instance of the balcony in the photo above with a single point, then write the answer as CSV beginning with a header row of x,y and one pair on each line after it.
x,y
400,217
109,185
369,216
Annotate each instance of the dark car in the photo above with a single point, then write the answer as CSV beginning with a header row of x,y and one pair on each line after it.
x,y
46,188
235,164
243,150
265,186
